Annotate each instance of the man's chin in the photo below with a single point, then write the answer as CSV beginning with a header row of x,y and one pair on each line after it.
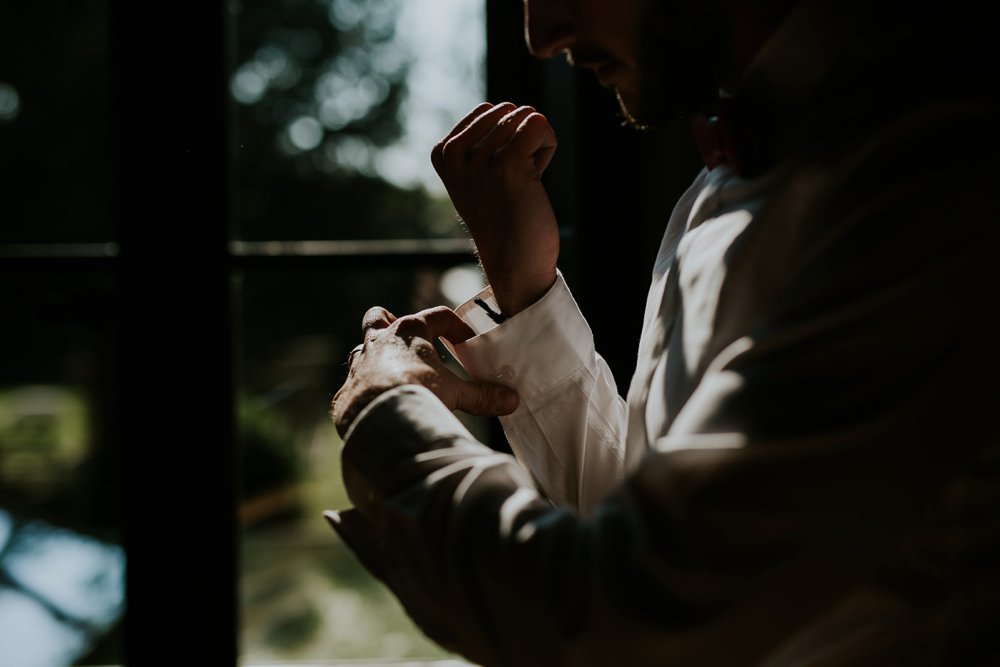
x,y
631,110
640,115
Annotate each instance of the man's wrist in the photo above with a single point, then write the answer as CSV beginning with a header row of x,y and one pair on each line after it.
x,y
346,410
512,300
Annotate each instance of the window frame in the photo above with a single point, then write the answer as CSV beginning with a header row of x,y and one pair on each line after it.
x,y
172,396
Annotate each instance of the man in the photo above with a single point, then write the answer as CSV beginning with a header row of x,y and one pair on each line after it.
x,y
804,471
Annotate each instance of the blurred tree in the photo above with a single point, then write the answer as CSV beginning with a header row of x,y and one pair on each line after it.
x,y
318,86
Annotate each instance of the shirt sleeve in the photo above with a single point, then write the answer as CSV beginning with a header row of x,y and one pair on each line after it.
x,y
569,429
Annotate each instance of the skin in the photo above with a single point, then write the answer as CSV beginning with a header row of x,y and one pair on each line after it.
x,y
663,59
398,351
632,47
492,165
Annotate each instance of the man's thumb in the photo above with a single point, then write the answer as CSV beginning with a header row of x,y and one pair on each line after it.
x,y
487,399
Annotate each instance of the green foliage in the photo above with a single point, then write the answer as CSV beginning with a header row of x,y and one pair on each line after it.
x,y
318,86
44,435
269,459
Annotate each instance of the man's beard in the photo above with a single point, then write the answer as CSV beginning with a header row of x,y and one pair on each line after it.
x,y
680,68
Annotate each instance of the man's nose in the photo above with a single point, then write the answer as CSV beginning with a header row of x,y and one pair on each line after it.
x,y
548,27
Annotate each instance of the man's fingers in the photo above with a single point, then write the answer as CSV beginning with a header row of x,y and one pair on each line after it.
x,y
476,130
485,399
430,324
535,137
502,132
444,323
438,151
419,332
491,129
471,116
376,317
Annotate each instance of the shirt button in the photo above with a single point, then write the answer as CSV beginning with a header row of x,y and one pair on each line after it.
x,y
506,373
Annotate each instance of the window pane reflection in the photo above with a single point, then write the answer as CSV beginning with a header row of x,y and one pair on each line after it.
x,y
61,560
54,123
304,596
60,593
338,104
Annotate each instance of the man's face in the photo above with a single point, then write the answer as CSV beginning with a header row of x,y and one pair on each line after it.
x,y
661,57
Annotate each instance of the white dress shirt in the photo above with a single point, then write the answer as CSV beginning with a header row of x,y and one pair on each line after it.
x,y
573,430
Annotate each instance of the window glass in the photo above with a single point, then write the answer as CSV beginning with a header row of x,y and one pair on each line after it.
x,y
337,106
54,123
61,560
304,596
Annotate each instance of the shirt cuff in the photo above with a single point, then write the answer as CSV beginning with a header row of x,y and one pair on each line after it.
x,y
532,351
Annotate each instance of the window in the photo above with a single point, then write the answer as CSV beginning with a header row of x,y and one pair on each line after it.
x,y
335,208
198,202
62,562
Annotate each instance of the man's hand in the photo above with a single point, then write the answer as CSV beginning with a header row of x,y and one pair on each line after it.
x,y
401,351
492,164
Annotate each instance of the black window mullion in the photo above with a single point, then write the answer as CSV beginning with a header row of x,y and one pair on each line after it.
x,y
174,361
